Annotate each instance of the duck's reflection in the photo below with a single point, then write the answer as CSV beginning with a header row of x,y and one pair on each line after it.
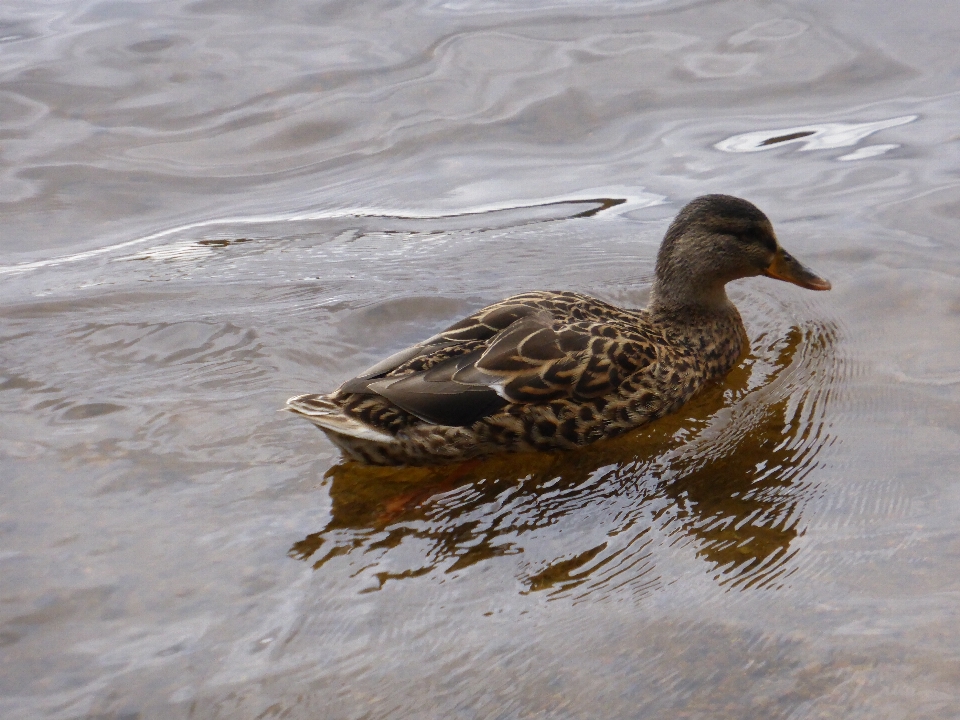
x,y
726,474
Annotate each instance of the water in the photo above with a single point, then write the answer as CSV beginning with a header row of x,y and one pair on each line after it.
x,y
211,206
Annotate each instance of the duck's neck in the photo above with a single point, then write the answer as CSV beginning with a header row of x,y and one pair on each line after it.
x,y
688,301
706,321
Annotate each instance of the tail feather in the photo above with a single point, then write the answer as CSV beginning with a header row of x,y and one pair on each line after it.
x,y
328,416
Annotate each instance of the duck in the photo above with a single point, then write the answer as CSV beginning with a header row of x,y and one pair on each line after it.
x,y
559,370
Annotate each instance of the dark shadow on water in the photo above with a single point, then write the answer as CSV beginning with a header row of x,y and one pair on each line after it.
x,y
724,480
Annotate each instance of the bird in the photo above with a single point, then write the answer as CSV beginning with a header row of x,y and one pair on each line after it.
x,y
559,370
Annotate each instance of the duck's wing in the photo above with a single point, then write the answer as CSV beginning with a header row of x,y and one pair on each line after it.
x,y
475,368
461,338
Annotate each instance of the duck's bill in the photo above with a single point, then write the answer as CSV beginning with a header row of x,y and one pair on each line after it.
x,y
787,268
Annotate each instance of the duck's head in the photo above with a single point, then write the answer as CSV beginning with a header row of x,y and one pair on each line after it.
x,y
716,239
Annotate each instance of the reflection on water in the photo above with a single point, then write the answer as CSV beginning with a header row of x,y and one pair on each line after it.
x,y
726,474
196,241
825,136
208,205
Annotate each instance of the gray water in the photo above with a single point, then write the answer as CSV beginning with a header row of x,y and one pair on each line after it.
x,y
209,206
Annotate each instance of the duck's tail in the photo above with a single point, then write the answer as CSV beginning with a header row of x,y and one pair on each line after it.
x,y
330,417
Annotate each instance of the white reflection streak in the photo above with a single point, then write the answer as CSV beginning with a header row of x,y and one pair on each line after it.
x,y
868,152
826,136
632,202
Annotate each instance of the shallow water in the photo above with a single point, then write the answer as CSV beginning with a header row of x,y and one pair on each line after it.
x,y
211,206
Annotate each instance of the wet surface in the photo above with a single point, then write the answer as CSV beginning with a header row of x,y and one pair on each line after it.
x,y
209,207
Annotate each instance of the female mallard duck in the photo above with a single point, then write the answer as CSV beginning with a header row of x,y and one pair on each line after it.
x,y
558,370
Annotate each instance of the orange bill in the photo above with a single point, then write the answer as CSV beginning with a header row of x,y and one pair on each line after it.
x,y
787,268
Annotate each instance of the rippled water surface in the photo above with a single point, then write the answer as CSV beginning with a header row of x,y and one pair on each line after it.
x,y
209,206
